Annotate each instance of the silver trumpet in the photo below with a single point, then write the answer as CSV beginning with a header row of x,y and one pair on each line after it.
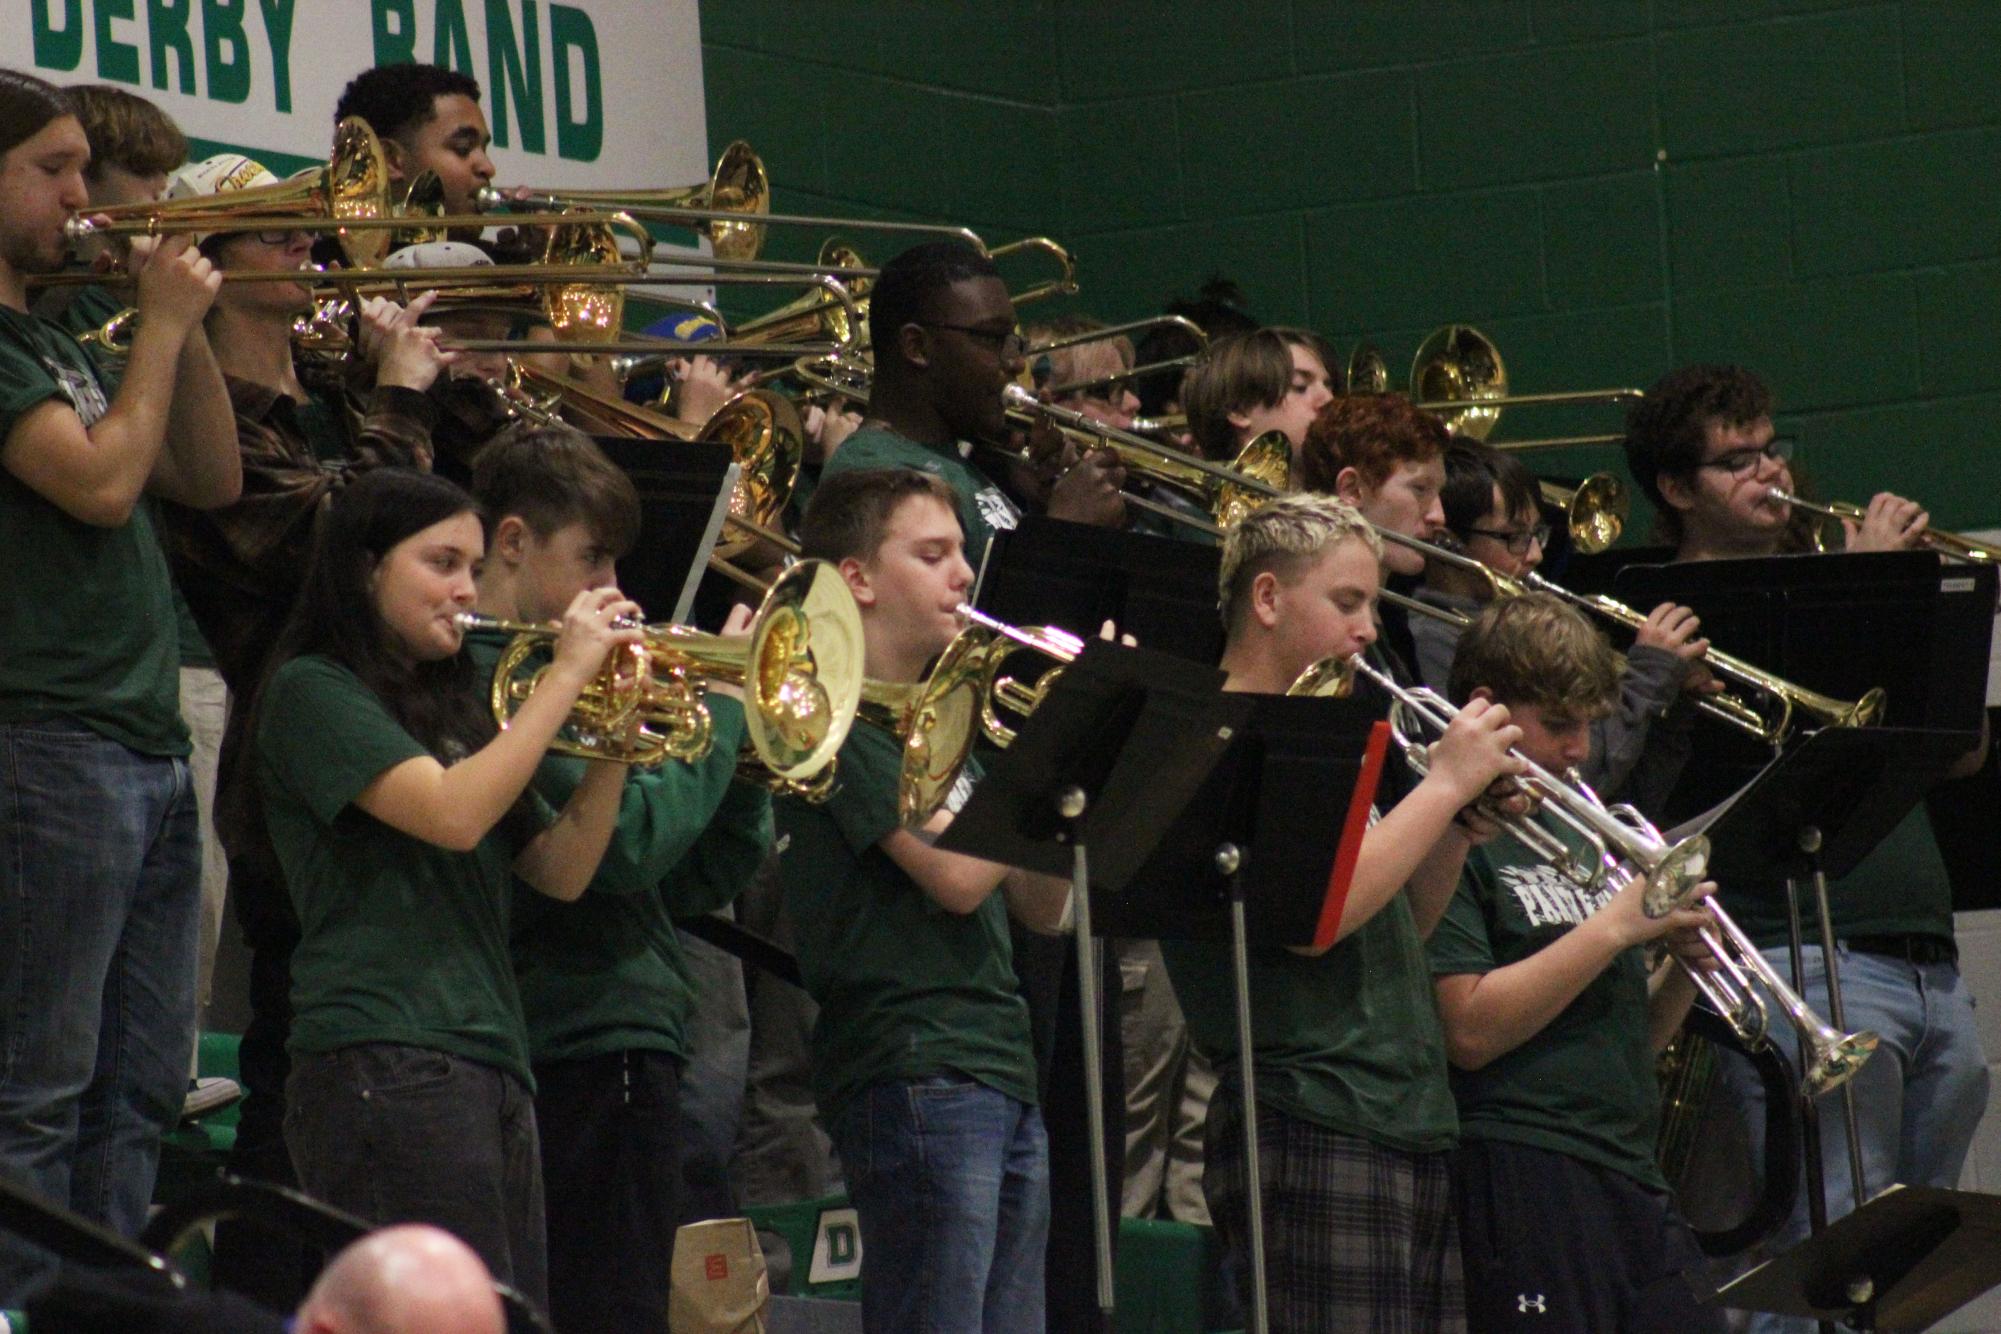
x,y
1623,843
1829,1058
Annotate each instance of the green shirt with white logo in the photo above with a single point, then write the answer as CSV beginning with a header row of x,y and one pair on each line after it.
x,y
1584,1086
984,508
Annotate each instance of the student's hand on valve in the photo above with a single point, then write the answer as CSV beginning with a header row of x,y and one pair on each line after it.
x,y
1678,932
1890,523
596,619
1475,750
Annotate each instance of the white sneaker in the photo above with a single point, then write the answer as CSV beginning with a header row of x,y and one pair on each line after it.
x,y
209,1095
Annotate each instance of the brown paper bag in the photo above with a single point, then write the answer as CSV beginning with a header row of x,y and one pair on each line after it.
x,y
719,1281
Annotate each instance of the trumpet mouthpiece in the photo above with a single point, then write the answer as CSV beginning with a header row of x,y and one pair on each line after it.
x,y
75,229
1017,397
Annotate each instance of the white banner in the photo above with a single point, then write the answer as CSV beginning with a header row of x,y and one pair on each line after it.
x,y
586,92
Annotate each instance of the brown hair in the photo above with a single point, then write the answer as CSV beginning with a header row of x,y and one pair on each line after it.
x,y
1371,433
1667,430
127,131
1241,372
27,104
1536,649
850,511
1283,536
554,475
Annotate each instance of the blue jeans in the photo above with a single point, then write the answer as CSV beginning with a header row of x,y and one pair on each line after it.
x,y
1918,1100
100,898
950,1180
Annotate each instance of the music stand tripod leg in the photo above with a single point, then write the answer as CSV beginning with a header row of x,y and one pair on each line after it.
x,y
1836,1011
1071,804
1816,1166
1228,860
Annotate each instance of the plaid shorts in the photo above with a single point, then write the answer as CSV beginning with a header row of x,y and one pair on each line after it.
x,y
1358,1237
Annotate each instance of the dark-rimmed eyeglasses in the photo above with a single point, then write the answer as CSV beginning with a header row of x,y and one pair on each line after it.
x,y
1737,462
1009,346
1517,543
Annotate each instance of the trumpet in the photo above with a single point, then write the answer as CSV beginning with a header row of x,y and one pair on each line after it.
x,y
1623,845
1953,546
800,669
1829,1057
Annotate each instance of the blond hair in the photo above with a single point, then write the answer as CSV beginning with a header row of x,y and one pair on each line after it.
x,y
1284,536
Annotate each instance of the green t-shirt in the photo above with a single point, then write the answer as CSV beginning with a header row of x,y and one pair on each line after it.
x,y
400,940
85,310
1349,1040
1901,888
607,972
1584,1086
983,507
906,989
87,616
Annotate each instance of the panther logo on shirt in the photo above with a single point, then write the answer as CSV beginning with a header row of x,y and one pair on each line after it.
x,y
80,388
998,511
1549,899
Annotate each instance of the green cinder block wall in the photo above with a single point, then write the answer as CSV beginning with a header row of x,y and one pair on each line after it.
x,y
1607,187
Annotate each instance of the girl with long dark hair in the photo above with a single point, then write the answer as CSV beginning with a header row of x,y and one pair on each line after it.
x,y
401,817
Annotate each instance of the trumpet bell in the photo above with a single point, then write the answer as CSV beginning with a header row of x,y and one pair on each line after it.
x,y
1670,883
1329,678
1836,1062
1457,361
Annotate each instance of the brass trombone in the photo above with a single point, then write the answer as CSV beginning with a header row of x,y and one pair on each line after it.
x,y
352,189
1181,322
1953,546
1594,511
736,192
1621,841
1772,725
800,669
1458,374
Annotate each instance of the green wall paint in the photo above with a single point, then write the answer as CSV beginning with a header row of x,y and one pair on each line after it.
x,y
1607,187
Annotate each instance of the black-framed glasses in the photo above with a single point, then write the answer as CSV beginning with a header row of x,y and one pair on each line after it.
x,y
1517,543
276,238
1009,346
1737,462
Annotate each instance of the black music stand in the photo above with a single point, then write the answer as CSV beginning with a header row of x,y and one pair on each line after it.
x,y
1237,865
1108,761
1904,1261
1818,811
1159,590
684,494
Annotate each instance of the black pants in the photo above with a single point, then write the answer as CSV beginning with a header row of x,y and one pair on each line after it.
x,y
253,1258
615,1192
403,1134
1552,1243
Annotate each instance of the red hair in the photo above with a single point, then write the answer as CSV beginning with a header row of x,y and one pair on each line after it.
x,y
1371,433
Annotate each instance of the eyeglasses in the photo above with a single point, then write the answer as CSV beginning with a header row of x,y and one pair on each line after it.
x,y
1009,346
1517,543
276,238
1740,461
